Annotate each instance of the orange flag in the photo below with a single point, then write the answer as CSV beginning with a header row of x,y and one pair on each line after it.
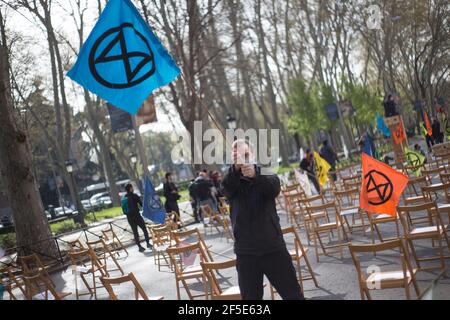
x,y
428,123
399,133
381,186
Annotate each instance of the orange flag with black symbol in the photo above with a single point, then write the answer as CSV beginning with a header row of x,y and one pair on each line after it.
x,y
428,123
399,133
381,186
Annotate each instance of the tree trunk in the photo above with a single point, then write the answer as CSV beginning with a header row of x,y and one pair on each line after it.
x,y
30,221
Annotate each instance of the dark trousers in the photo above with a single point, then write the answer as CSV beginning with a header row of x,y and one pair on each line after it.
x,y
277,267
314,181
136,222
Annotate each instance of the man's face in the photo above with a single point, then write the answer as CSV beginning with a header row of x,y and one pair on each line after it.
x,y
244,153
131,189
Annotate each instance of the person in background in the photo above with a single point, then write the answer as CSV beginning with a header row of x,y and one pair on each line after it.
x,y
307,165
330,156
193,199
203,191
418,148
437,134
131,203
428,138
172,196
260,247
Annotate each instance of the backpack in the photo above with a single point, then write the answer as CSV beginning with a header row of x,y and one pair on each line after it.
x,y
124,204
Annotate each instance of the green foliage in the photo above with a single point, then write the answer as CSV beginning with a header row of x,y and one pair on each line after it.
x,y
365,101
308,104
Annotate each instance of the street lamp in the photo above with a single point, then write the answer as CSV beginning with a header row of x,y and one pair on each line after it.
x,y
134,159
80,209
232,123
69,166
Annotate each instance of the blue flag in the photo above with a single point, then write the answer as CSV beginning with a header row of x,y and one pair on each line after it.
x,y
382,126
369,146
122,61
153,207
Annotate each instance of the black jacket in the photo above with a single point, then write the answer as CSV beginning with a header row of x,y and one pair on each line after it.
x,y
201,189
256,225
134,201
327,153
168,188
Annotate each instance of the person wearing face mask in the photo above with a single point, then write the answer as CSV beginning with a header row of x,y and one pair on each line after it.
x,y
259,245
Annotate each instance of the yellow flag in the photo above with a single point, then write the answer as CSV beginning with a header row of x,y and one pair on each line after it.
x,y
415,159
322,168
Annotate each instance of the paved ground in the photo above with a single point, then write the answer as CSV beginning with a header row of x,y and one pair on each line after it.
x,y
337,277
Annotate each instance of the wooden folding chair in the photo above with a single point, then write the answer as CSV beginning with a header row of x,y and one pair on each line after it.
x,y
139,292
113,242
298,253
162,240
192,236
307,217
445,177
348,204
214,290
321,225
37,280
294,208
434,231
11,282
413,191
208,216
86,263
440,194
434,173
376,219
184,272
380,280
103,252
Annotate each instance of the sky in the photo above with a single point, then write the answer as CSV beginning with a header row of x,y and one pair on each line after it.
x,y
24,23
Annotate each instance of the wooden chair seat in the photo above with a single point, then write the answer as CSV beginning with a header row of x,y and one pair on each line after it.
x,y
349,211
294,254
192,272
327,226
41,296
414,199
426,232
232,293
389,279
382,218
443,206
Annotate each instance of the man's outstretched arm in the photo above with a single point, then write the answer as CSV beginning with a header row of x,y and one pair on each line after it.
x,y
231,182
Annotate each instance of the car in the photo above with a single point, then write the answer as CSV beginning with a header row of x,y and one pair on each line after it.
x,y
106,201
60,212
6,221
87,205
96,203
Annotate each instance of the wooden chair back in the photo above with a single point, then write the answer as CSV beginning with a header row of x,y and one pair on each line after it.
x,y
192,236
139,292
176,254
406,214
438,192
210,269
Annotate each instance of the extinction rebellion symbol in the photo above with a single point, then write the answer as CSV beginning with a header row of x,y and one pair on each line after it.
x,y
378,187
155,202
413,159
112,48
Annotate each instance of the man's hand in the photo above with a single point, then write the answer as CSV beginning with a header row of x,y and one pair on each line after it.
x,y
237,161
248,170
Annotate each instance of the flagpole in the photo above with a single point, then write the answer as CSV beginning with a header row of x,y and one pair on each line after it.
x,y
140,147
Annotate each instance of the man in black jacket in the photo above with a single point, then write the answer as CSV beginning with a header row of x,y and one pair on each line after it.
x,y
260,248
171,194
130,207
